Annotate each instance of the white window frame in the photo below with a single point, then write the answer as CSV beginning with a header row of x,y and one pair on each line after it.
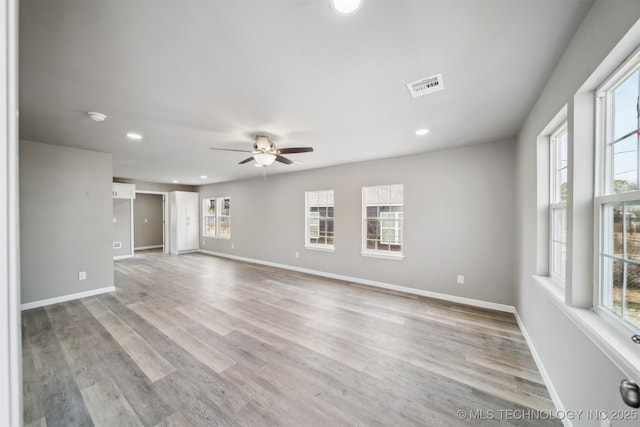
x,y
398,218
556,204
605,193
218,217
309,217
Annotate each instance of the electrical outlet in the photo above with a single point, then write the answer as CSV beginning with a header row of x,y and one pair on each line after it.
x,y
232,247
82,275
204,242
460,279
297,255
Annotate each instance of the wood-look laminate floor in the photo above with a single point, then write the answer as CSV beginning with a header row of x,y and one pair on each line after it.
x,y
195,340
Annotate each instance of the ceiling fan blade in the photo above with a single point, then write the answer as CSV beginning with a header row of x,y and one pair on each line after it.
x,y
283,160
246,160
295,150
230,149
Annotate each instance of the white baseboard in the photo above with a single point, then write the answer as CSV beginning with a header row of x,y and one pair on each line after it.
x,y
414,291
543,372
56,300
143,248
122,257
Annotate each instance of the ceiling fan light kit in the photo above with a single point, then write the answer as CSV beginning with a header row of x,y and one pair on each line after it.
x,y
264,159
346,7
265,152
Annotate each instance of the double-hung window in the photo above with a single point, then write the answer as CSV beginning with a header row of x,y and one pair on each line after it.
x,y
217,217
319,210
382,208
558,203
618,198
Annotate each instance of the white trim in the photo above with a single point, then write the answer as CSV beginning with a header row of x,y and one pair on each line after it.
x,y
383,255
555,397
10,329
142,248
615,345
64,298
413,291
115,258
321,248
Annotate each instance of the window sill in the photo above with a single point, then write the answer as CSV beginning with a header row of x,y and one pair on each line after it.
x,y
398,257
320,248
615,344
218,237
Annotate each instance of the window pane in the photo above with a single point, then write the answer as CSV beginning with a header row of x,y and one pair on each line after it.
x,y
559,164
210,206
559,259
632,295
612,229
210,222
397,194
625,107
612,283
225,226
373,230
632,231
370,195
559,224
322,198
625,165
226,206
384,195
562,182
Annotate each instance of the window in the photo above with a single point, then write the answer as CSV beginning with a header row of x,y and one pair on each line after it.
x,y
619,199
558,204
319,219
382,209
217,217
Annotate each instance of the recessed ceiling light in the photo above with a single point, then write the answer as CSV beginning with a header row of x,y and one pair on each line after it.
x,y
346,7
203,176
135,136
175,181
421,132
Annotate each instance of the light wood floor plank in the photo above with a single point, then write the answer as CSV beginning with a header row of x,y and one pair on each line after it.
x,y
196,340
206,354
149,360
108,407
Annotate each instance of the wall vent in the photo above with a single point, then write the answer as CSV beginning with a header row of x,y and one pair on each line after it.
x,y
117,245
425,86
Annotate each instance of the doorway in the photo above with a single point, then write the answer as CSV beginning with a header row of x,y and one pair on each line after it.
x,y
149,221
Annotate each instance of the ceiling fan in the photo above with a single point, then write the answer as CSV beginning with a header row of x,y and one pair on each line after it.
x,y
265,152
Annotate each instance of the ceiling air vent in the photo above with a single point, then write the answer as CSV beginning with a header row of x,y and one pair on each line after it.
x,y
425,86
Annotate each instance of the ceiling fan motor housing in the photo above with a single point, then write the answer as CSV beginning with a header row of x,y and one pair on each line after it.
x,y
263,144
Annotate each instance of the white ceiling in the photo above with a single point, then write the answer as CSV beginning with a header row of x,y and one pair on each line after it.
x,y
190,75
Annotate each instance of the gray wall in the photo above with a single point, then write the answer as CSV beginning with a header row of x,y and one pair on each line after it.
x,y
65,220
122,226
147,224
581,374
458,213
